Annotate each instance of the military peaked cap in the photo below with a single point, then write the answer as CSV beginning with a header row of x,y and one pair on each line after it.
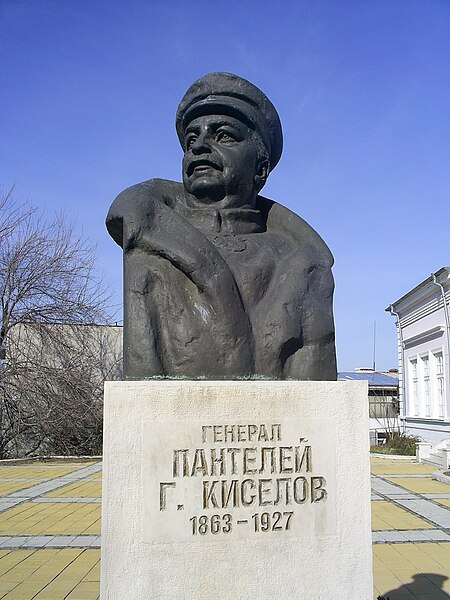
x,y
225,93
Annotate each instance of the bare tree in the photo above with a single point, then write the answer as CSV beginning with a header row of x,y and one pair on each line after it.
x,y
53,359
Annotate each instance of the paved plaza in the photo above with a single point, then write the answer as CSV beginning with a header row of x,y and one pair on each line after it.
x,y
50,531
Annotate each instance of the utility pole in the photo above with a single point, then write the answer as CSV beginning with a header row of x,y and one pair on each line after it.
x,y
374,342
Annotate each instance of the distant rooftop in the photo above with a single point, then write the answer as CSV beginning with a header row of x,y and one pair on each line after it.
x,y
374,378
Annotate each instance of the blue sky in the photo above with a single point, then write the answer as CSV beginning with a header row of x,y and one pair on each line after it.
x,y
88,101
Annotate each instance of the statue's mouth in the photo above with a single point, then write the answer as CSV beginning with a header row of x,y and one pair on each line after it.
x,y
201,166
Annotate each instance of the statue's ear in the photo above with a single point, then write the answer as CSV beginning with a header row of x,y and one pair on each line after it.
x,y
262,173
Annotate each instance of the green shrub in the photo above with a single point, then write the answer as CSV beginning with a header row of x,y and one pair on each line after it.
x,y
398,443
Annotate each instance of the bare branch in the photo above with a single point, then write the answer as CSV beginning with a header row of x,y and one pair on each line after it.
x,y
51,382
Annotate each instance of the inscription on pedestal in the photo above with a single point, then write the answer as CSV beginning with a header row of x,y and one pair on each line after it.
x,y
218,481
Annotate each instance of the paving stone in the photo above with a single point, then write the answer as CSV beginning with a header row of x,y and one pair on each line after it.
x,y
439,496
437,535
7,503
403,476
408,496
61,541
53,484
15,542
38,541
393,536
416,536
4,539
17,479
379,486
80,500
403,553
50,541
428,510
85,541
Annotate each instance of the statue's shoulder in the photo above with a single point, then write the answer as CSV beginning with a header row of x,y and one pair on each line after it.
x,y
134,199
286,223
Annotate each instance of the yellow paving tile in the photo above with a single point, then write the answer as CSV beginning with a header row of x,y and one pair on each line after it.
x,y
34,573
377,459
72,576
8,559
81,489
8,487
59,463
62,518
443,501
422,570
402,468
387,516
421,485
37,472
416,571
20,567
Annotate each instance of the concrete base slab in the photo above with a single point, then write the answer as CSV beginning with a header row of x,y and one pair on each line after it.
x,y
250,490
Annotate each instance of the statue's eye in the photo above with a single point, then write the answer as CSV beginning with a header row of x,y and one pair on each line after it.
x,y
224,136
190,140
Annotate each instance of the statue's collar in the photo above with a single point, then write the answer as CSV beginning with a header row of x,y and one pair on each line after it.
x,y
226,220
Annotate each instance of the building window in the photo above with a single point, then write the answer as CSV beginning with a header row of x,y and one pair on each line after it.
x,y
414,386
426,384
439,387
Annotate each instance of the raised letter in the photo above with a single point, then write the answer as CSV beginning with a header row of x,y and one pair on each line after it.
x,y
229,431
163,494
318,491
241,433
288,499
215,461
199,464
306,458
176,463
210,495
252,431
205,433
300,490
285,460
249,459
226,494
263,436
276,433
232,452
271,452
218,430
262,491
251,499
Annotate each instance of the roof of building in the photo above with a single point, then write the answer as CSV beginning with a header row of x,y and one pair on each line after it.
x,y
443,271
374,379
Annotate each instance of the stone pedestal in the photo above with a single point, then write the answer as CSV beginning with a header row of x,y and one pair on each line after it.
x,y
248,490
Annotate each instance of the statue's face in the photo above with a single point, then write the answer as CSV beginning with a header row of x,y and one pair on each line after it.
x,y
220,161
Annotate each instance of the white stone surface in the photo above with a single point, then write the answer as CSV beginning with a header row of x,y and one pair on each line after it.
x,y
294,525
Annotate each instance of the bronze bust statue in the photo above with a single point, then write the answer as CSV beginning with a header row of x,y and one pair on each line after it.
x,y
220,282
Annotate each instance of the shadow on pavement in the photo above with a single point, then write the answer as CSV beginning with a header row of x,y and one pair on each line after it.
x,y
422,585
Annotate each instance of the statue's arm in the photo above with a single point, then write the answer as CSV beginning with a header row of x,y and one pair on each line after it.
x,y
140,217
315,357
144,223
297,318
130,205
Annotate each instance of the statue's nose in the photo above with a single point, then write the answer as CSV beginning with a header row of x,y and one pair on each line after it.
x,y
201,144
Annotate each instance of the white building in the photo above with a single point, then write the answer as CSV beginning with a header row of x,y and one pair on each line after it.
x,y
423,331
